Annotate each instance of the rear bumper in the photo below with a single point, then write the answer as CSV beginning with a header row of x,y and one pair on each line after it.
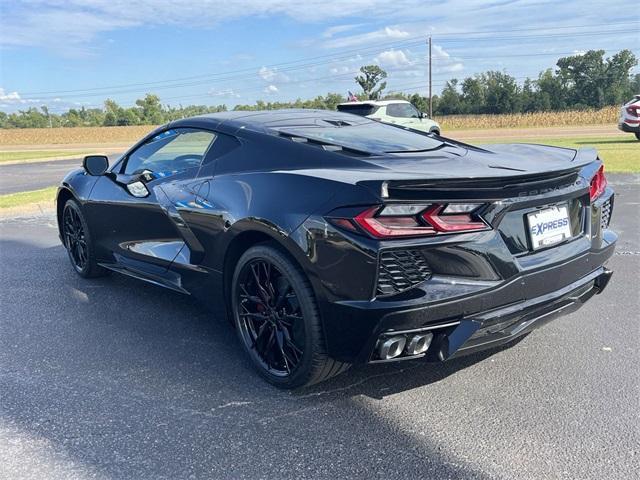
x,y
629,128
502,326
466,315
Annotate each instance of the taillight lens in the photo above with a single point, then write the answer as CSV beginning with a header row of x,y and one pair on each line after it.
x,y
634,110
393,221
598,184
459,222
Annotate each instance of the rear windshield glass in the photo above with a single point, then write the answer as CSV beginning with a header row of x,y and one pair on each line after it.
x,y
358,109
371,137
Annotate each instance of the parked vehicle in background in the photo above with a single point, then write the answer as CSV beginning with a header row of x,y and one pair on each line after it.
x,y
398,112
630,117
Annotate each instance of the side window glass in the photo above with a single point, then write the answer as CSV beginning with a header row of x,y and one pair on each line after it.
x,y
402,110
171,151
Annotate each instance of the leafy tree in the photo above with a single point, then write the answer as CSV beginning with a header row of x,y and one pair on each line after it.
x,y
502,93
370,80
151,110
552,92
595,82
474,94
580,81
450,100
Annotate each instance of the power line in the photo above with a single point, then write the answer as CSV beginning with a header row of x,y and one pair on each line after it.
x,y
397,44
396,89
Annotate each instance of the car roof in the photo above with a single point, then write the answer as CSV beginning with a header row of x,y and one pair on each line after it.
x,y
378,103
262,120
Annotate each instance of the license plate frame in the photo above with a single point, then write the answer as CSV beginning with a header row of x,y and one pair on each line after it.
x,y
549,226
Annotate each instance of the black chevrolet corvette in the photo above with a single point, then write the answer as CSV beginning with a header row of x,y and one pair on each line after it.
x,y
330,239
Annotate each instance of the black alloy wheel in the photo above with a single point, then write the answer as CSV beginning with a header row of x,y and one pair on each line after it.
x,y
77,240
271,321
277,320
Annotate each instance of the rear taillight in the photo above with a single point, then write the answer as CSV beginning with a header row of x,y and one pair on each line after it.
x,y
598,184
458,222
634,110
394,221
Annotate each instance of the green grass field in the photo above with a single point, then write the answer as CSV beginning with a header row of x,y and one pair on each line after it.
x,y
620,154
25,198
20,156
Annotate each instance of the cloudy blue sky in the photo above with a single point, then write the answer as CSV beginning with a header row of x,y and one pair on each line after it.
x,y
65,53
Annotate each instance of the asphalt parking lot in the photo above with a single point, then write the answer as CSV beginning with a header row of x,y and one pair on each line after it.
x,y
113,378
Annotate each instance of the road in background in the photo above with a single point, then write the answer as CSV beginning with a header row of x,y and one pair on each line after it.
x,y
114,378
21,177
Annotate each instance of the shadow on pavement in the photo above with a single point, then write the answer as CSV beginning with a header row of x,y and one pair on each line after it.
x,y
115,378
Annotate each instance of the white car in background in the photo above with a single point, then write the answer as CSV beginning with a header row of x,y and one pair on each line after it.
x,y
397,112
629,120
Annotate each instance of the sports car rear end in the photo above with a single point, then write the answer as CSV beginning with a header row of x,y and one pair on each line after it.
x,y
461,251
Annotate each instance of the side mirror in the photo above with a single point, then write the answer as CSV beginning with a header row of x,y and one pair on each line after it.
x,y
95,165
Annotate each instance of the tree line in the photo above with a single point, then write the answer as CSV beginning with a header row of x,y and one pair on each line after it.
x,y
584,81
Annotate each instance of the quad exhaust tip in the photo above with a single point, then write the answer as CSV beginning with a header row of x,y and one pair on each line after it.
x,y
419,343
392,347
409,345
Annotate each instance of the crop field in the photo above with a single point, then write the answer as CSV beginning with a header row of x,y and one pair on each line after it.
x,y
124,135
608,115
72,136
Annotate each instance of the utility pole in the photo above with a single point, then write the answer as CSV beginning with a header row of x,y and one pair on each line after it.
x,y
430,83
45,109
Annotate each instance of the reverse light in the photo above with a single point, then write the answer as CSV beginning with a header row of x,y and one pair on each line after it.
x,y
598,184
460,208
403,210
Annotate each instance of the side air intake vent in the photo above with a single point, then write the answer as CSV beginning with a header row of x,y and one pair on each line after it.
x,y
399,270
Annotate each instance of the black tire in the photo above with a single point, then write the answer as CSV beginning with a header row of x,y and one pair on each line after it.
x,y
78,242
435,131
638,135
294,294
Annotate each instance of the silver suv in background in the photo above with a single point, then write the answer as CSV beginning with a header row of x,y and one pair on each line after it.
x,y
397,112
629,120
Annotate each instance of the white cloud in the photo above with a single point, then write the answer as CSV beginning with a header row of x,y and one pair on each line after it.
x,y
225,92
10,97
272,74
451,68
332,31
386,33
270,89
13,101
341,70
392,58
73,26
